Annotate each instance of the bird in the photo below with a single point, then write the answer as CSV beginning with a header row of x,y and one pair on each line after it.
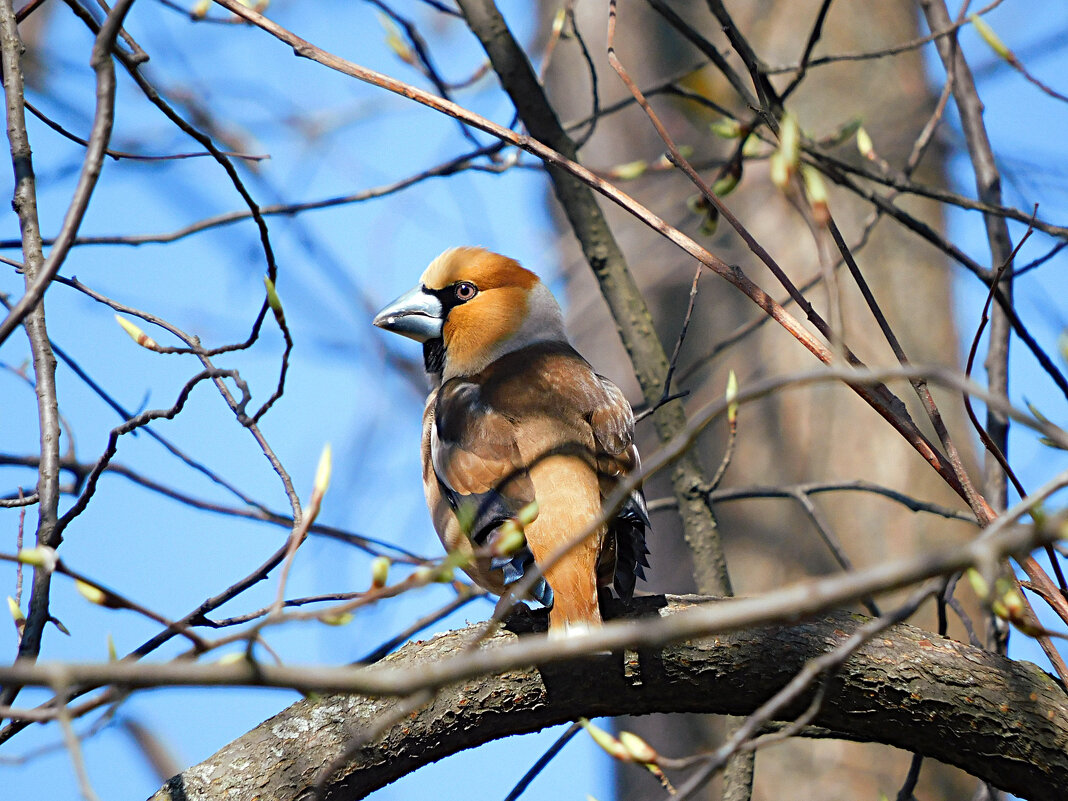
x,y
517,424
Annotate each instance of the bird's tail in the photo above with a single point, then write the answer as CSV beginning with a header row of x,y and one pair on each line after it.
x,y
575,608
568,501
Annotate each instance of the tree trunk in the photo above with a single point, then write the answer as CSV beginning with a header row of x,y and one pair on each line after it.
x,y
804,435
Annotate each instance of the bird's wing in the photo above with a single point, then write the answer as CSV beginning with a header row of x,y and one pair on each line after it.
x,y
617,456
476,458
475,479
612,421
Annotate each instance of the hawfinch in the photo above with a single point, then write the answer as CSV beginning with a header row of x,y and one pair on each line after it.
x,y
516,416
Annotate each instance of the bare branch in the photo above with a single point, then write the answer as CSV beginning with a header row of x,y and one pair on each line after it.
x,y
94,160
720,675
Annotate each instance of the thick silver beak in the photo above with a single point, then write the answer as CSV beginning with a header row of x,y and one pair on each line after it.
x,y
415,314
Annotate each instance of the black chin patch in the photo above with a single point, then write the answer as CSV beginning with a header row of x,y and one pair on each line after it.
x,y
434,355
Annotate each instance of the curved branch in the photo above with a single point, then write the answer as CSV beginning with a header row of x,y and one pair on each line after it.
x,y
94,160
907,688
880,398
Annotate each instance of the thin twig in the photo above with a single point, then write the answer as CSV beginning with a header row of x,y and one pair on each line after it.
x,y
94,159
727,615
913,777
74,748
872,55
38,276
834,545
543,761
445,169
815,488
806,55
464,596
117,155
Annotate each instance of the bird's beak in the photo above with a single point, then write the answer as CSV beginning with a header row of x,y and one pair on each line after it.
x,y
416,314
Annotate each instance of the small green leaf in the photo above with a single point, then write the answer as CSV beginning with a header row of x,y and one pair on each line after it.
x,y
340,619
730,396
726,128
725,185
630,170
272,295
864,143
785,160
93,595
16,611
843,133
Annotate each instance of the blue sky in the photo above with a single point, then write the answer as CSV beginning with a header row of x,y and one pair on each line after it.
x,y
335,265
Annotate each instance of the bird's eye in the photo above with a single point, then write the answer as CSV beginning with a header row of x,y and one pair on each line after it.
x,y
465,291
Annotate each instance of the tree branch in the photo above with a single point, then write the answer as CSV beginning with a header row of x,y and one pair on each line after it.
x,y
94,160
629,310
906,688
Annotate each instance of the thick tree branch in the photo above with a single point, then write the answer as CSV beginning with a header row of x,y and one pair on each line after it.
x,y
24,202
906,688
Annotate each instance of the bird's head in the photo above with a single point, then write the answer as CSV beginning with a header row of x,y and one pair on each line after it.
x,y
471,307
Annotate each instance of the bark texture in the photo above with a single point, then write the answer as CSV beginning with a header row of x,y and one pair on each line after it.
x,y
1005,722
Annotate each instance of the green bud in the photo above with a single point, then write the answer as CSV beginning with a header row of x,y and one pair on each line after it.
x,y
730,395
380,571
752,147
983,29
136,334
789,151
979,584
630,170
843,133
341,619
465,515
42,556
558,20
639,750
1010,599
272,295
15,609
396,42
864,143
779,171
816,192
710,222
725,185
697,204
324,470
665,158
528,514
726,128
93,595
815,188
606,741
510,539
